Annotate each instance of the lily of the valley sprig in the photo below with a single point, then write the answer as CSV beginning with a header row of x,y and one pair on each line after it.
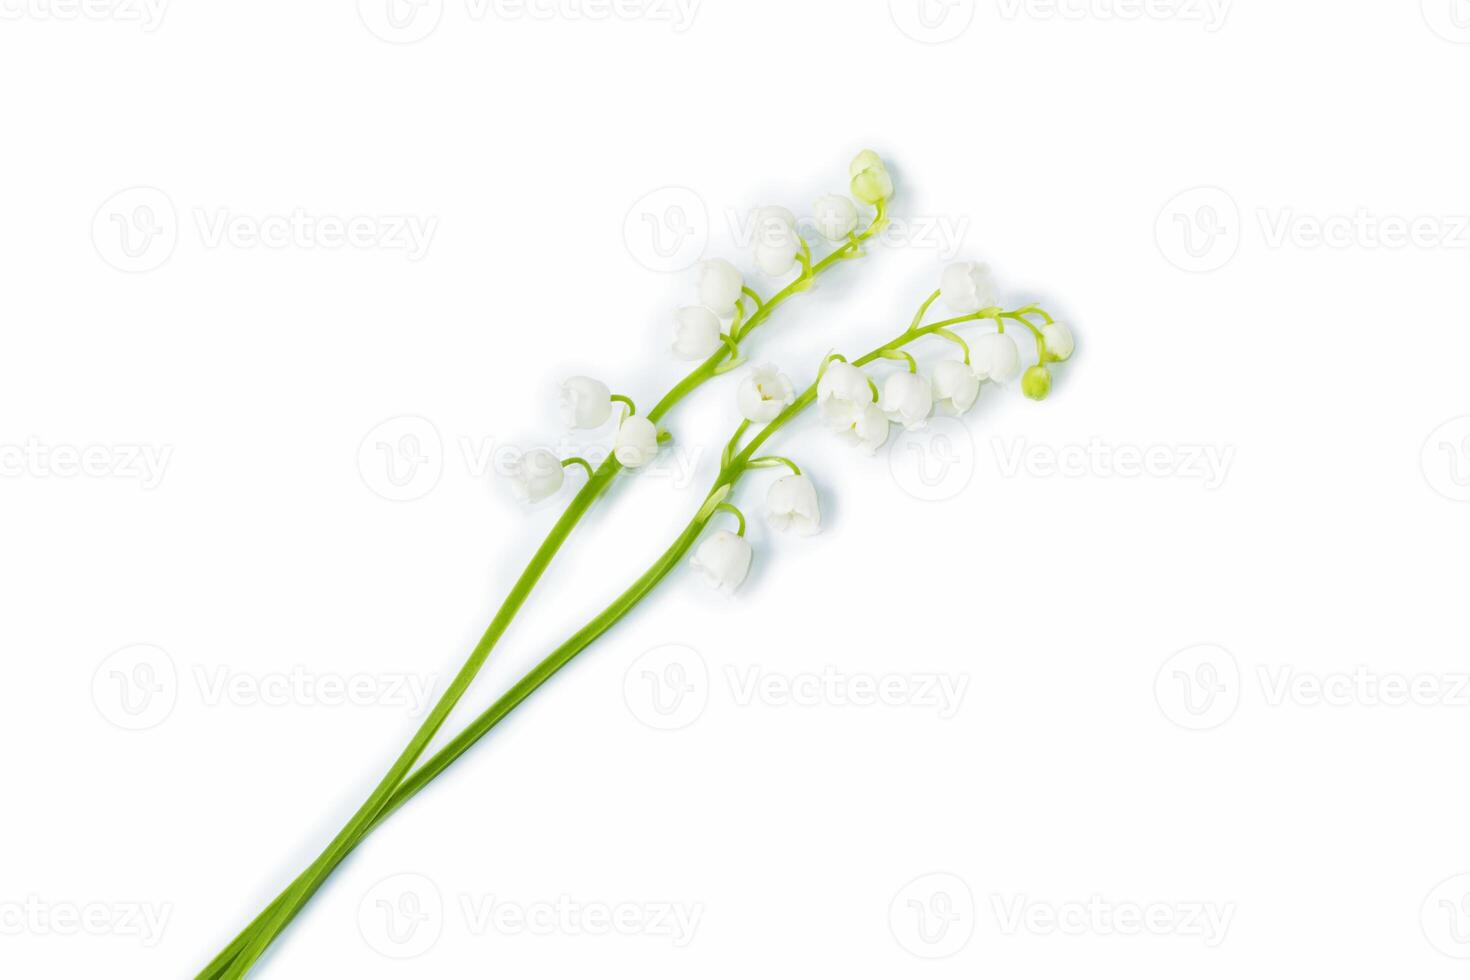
x,y
701,334
851,403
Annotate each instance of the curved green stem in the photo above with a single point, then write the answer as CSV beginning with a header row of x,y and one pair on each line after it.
x,y
579,461
761,462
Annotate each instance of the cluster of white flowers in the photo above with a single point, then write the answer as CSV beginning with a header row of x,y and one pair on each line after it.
x,y
851,404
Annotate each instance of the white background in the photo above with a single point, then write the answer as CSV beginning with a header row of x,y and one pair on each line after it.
x,y
1087,761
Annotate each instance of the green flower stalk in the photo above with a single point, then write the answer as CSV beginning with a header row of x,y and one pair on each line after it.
x,y
722,295
843,391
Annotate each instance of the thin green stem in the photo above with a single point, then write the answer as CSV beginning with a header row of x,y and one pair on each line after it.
x,y
762,462
732,509
579,461
624,399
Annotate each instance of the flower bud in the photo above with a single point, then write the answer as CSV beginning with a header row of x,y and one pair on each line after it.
x,y
968,287
764,393
696,333
636,443
724,558
956,386
907,400
720,284
1036,382
535,476
871,182
835,217
586,403
1057,337
791,503
995,357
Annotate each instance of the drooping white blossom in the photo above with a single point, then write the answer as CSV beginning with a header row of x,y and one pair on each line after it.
x,y
835,217
776,240
842,393
907,399
995,357
636,443
968,287
956,386
696,332
763,393
724,558
536,476
720,284
1057,337
586,403
791,504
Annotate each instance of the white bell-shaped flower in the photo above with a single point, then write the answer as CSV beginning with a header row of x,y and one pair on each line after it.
x,y
1058,340
907,399
776,240
968,287
956,386
535,476
842,393
835,217
868,429
586,403
636,443
724,558
696,332
995,357
791,504
763,393
720,284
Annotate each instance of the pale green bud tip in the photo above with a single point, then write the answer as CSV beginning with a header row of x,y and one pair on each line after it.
x,y
871,182
866,160
1036,382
